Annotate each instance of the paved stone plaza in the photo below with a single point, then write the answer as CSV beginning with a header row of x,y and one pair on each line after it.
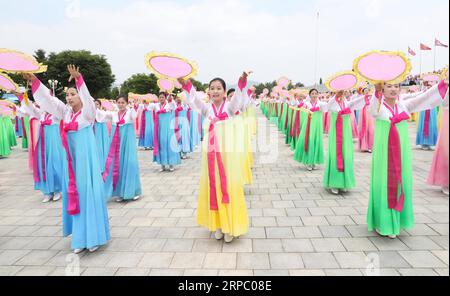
x,y
297,228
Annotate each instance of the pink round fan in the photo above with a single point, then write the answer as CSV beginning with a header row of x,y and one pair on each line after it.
x,y
166,84
343,81
277,89
6,111
431,77
283,82
108,105
284,93
166,65
16,61
7,84
382,66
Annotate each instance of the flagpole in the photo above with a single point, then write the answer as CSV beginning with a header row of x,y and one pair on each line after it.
x,y
421,60
434,63
317,49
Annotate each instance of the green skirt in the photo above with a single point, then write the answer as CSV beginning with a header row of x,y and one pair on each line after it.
x,y
315,142
282,118
379,216
287,131
12,132
333,178
26,124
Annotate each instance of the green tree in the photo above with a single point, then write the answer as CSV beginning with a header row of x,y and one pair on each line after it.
x,y
95,69
140,84
41,56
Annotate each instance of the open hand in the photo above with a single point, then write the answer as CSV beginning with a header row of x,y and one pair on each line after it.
x,y
74,72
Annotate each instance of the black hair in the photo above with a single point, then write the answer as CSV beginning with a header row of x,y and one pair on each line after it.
x,y
224,85
98,101
232,90
311,91
163,93
122,97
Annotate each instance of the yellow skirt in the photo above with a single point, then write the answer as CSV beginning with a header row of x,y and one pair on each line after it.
x,y
231,218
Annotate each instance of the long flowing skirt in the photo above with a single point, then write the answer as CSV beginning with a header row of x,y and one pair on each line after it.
x,y
366,130
5,145
333,178
185,133
169,149
55,161
431,140
90,228
146,140
32,141
379,216
102,140
194,129
129,182
314,155
440,166
231,218
26,130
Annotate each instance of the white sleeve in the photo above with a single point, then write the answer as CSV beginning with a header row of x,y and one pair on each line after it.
x,y
133,113
428,100
46,101
33,111
89,109
357,103
196,104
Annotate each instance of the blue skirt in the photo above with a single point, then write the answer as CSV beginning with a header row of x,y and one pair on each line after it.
x,y
195,133
185,132
19,132
129,182
55,161
147,139
169,149
90,228
431,140
102,140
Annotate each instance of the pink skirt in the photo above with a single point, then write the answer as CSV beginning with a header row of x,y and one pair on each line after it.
x,y
326,122
366,130
32,141
439,168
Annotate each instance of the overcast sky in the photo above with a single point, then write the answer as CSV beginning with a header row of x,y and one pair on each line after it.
x,y
224,37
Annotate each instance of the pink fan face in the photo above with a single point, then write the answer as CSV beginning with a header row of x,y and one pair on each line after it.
x,y
431,78
380,67
6,111
166,84
343,82
171,67
6,83
107,105
11,61
283,82
277,89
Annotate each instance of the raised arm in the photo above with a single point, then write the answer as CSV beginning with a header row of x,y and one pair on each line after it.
x,y
43,97
357,102
237,101
435,96
89,109
193,100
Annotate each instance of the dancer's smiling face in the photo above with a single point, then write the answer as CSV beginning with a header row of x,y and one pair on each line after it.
x,y
314,95
217,91
391,91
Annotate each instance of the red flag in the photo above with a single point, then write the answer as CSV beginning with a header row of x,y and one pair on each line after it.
x,y
424,47
439,43
411,52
